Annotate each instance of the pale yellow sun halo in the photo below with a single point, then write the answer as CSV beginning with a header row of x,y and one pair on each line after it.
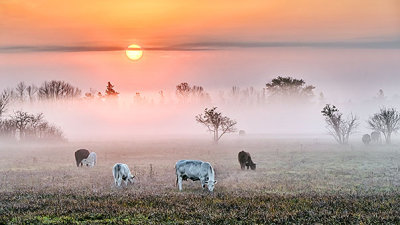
x,y
134,54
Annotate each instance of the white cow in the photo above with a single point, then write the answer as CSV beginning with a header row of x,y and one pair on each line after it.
x,y
90,160
121,172
195,170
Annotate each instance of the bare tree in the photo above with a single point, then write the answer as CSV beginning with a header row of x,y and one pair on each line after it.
x,y
55,90
216,123
337,126
31,90
20,89
21,121
29,126
184,91
199,94
32,127
386,121
4,101
7,129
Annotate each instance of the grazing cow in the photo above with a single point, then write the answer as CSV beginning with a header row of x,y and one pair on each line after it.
x,y
121,172
366,139
80,155
195,170
245,160
90,160
376,137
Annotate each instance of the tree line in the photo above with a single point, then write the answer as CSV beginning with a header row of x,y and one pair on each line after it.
x,y
24,126
386,122
280,89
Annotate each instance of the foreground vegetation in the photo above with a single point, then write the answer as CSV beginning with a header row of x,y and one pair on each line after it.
x,y
296,181
220,208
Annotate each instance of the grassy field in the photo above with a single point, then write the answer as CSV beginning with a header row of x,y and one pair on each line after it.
x,y
297,181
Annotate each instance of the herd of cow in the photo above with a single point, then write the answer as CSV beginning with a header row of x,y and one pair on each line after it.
x,y
375,138
185,169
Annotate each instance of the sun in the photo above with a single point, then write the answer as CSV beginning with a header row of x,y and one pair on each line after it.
x,y
134,52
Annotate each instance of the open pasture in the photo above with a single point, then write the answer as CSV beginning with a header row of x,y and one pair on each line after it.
x,y
302,181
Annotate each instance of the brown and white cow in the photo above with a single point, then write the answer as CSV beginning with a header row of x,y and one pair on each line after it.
x,y
80,155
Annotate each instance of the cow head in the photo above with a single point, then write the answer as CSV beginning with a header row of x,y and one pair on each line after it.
x,y
85,162
253,166
131,179
211,185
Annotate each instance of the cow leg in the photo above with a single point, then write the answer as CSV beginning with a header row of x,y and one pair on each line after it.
x,y
119,181
180,183
242,165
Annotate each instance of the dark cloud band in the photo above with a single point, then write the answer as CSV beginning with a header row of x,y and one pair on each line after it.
x,y
209,46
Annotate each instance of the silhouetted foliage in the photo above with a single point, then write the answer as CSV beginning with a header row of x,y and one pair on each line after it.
x,y
386,121
289,87
216,123
338,127
55,90
110,92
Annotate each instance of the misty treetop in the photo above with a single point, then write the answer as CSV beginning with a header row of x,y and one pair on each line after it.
x,y
289,87
186,93
54,90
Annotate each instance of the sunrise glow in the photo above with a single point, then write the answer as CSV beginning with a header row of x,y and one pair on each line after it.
x,y
134,52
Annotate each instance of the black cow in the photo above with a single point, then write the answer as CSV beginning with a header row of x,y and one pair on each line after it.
x,y
245,160
80,155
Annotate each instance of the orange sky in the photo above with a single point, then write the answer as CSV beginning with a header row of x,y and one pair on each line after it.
x,y
156,22
256,41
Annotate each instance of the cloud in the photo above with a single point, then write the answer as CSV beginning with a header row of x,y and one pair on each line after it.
x,y
212,45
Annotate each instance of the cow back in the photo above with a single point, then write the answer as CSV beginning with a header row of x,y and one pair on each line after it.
x,y
243,157
80,155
